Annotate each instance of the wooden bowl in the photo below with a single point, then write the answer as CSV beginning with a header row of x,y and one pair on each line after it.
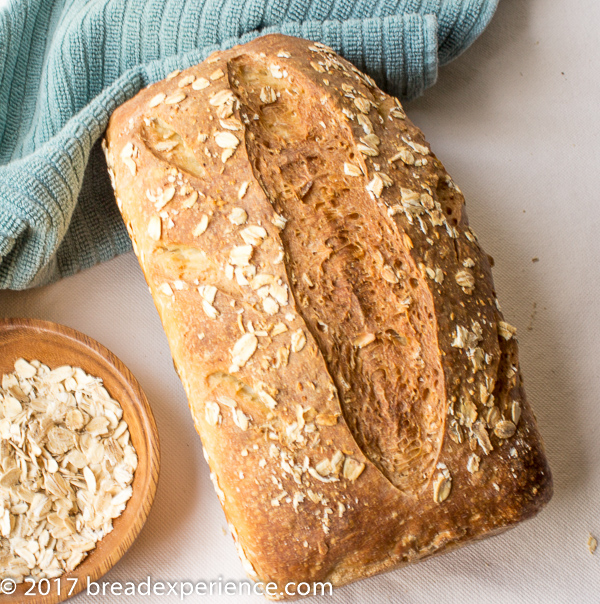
x,y
57,345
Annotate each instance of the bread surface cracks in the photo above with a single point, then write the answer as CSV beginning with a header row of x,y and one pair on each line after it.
x,y
168,146
378,338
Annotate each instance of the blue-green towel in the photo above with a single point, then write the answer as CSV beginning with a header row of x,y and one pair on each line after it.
x,y
67,64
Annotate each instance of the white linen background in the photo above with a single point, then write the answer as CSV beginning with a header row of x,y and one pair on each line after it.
x,y
516,120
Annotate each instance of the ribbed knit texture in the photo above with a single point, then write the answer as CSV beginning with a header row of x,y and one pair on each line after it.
x,y
65,65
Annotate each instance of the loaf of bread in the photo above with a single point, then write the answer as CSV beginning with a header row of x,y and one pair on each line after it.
x,y
330,313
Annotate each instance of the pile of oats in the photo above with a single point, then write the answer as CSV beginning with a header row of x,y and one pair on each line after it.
x,y
66,468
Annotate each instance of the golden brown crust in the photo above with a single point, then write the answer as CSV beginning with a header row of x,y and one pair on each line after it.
x,y
330,313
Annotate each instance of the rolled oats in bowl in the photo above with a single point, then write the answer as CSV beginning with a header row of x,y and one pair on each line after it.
x,y
66,468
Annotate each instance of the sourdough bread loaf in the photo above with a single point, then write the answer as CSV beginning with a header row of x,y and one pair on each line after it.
x,y
330,313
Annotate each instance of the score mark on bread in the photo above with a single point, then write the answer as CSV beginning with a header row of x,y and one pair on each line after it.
x,y
355,284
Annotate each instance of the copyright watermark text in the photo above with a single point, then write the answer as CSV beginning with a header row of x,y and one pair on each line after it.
x,y
217,587
8,586
179,589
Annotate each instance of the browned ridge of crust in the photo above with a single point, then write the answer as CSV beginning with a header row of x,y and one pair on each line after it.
x,y
330,312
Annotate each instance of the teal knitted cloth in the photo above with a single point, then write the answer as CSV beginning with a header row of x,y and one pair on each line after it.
x,y
67,64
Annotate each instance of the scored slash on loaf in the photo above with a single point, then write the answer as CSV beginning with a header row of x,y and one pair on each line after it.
x,y
329,311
